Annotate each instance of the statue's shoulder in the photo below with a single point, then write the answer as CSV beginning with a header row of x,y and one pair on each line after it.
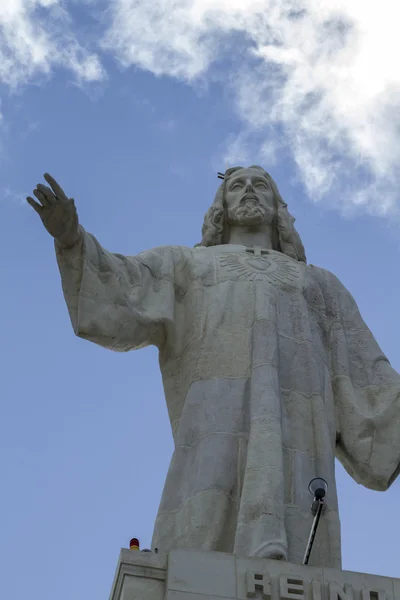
x,y
327,286
167,252
160,261
180,265
175,253
174,258
324,277
192,254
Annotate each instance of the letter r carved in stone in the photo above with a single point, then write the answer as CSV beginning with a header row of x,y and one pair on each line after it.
x,y
256,581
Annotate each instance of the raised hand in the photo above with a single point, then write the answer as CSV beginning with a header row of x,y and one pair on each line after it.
x,y
57,211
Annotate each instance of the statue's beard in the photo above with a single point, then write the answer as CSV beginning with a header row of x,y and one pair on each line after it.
x,y
250,214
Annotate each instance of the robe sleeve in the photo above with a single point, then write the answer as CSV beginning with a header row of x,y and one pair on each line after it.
x,y
366,391
119,302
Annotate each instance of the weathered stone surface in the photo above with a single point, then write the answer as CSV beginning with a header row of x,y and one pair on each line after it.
x,y
396,588
346,585
139,575
203,573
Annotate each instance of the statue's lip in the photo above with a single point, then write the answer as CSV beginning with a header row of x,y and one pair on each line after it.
x,y
249,197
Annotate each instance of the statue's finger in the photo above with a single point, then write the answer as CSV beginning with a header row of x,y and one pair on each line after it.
x,y
46,191
35,205
41,197
57,189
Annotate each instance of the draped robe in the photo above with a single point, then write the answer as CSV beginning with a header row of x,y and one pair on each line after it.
x,y
268,371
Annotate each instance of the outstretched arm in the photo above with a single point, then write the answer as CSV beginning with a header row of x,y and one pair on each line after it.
x,y
116,301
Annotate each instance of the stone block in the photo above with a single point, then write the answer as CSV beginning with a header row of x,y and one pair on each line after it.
x,y
139,576
203,573
140,588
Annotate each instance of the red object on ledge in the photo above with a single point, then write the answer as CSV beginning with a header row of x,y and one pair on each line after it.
x,y
134,544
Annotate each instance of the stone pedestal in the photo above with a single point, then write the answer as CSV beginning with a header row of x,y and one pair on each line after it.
x,y
197,575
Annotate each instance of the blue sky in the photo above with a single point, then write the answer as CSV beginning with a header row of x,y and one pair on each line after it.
x,y
134,108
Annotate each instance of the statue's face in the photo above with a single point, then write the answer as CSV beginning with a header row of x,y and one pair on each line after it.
x,y
249,199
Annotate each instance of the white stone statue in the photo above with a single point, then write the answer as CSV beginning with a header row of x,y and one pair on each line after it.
x,y
268,369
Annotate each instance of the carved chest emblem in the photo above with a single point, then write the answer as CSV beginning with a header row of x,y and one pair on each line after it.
x,y
274,267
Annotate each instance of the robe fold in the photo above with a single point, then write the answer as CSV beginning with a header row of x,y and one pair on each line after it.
x,y
269,371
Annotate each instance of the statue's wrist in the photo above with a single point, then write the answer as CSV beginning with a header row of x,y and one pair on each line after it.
x,y
68,241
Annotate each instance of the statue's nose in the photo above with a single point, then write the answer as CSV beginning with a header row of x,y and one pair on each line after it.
x,y
249,186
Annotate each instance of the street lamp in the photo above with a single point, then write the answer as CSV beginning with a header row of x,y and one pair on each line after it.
x,y
318,488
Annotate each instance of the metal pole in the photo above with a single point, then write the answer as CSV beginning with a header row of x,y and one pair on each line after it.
x,y
313,531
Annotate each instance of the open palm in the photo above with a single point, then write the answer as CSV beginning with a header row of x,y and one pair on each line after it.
x,y
57,211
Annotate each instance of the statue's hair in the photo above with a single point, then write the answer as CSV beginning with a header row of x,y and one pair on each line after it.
x,y
215,229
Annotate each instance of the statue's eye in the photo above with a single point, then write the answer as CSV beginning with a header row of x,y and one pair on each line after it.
x,y
261,184
236,185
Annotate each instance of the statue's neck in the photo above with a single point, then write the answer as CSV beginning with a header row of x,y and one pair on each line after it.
x,y
250,237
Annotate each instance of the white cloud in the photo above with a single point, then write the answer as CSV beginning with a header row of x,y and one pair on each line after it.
x,y
313,82
320,79
35,37
13,196
168,126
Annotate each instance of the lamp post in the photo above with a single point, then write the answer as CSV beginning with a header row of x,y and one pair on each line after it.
x,y
318,488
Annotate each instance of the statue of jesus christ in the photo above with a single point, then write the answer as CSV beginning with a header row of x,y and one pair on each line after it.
x,y
269,371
